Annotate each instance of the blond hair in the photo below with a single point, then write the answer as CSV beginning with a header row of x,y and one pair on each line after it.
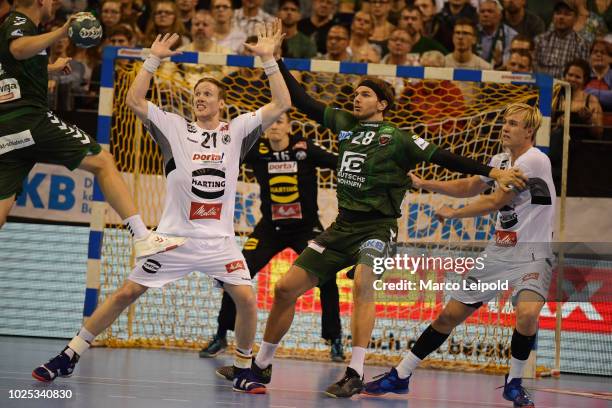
x,y
532,117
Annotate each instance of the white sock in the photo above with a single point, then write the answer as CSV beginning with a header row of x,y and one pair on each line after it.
x,y
407,365
357,359
265,354
242,360
80,343
136,227
516,368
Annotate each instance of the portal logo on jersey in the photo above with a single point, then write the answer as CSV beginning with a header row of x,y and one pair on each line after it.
x,y
352,162
207,158
286,211
282,167
344,134
205,211
208,183
234,266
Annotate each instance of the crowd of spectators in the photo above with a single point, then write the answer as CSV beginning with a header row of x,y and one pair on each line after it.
x,y
568,39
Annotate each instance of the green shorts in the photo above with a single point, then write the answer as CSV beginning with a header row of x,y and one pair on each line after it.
x,y
39,137
348,243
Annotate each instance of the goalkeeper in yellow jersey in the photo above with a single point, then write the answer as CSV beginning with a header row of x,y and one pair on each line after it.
x,y
374,158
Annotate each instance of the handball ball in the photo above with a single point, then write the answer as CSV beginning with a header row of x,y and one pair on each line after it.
x,y
85,30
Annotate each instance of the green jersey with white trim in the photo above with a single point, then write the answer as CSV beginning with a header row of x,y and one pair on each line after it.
x,y
23,83
374,158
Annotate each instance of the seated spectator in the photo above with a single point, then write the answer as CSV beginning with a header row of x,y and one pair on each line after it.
x,y
295,43
603,9
110,15
249,15
186,10
560,45
495,37
589,24
586,116
361,49
523,21
464,39
600,84
432,102
320,21
331,88
428,10
452,11
225,34
132,13
523,43
411,20
337,44
399,44
164,19
520,61
201,33
380,9
396,9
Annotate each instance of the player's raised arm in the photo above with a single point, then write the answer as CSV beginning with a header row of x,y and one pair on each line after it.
x,y
305,103
269,36
24,46
462,188
136,96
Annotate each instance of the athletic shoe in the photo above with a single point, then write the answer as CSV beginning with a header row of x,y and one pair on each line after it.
x,y
348,386
214,347
387,382
155,243
247,381
264,376
514,391
59,366
226,372
337,351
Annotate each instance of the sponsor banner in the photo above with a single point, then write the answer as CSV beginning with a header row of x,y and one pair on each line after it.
x,y
54,193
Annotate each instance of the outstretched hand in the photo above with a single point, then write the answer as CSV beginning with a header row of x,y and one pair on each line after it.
x,y
162,46
511,179
269,37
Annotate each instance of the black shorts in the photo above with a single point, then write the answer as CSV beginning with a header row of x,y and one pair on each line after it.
x,y
39,137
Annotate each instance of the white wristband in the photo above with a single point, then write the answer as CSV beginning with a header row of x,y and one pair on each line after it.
x,y
270,67
151,63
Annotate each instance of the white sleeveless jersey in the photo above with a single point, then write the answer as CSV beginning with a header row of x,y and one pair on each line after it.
x,y
201,167
524,227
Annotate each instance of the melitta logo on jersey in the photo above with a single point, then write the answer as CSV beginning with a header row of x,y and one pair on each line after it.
x,y
286,211
352,162
282,167
9,90
505,238
205,211
207,158
300,145
208,183
234,266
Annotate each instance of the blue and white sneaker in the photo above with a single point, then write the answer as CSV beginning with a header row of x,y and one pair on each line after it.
x,y
249,382
514,391
59,366
387,382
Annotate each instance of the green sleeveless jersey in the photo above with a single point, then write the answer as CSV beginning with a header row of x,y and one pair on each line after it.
x,y
374,158
22,83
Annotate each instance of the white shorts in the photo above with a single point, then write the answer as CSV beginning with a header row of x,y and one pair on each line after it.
x,y
526,275
219,258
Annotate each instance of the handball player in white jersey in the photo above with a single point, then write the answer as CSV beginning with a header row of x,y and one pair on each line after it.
x,y
520,253
201,161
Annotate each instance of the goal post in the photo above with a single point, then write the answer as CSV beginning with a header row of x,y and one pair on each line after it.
x,y
458,109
